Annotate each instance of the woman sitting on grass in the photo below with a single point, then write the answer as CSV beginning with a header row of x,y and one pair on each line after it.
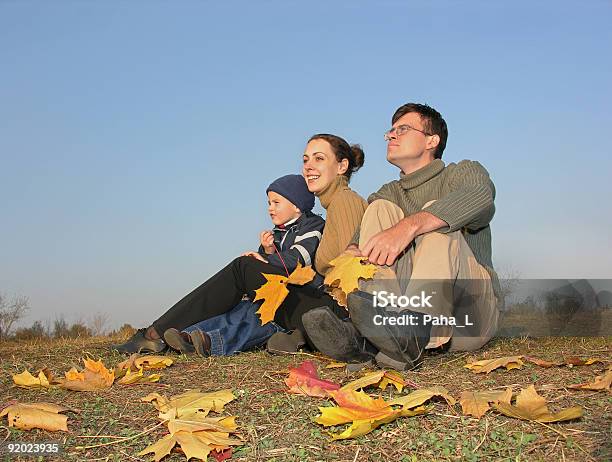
x,y
328,164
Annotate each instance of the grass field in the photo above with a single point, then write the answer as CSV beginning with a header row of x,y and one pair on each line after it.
x,y
277,426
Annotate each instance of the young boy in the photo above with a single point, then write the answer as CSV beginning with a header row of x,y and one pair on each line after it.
x,y
294,239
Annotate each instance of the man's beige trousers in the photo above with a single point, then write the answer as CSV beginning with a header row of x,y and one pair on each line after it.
x,y
442,264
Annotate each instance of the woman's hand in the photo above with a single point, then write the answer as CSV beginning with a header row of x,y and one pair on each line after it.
x,y
267,241
254,255
353,250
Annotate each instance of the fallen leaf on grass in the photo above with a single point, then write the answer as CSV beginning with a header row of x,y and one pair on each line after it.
x,y
363,412
345,274
196,434
190,402
335,365
392,378
220,456
274,291
46,416
571,361
136,361
478,403
95,376
531,406
197,444
26,380
418,397
601,382
138,377
488,365
380,378
304,380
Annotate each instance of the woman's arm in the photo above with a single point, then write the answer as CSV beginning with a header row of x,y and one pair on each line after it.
x,y
344,216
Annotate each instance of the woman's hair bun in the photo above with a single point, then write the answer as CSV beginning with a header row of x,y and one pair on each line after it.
x,y
358,157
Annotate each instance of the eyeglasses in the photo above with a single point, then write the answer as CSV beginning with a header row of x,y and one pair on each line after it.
x,y
401,129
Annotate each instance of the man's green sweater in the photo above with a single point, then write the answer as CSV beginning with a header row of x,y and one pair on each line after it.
x,y
464,196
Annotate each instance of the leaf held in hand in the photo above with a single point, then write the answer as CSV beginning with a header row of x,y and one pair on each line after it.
x,y
531,406
346,271
274,291
45,416
488,365
301,275
304,380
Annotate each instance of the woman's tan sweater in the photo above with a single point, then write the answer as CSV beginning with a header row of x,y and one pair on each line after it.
x,y
345,209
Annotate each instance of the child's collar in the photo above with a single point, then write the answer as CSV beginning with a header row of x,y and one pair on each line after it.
x,y
289,223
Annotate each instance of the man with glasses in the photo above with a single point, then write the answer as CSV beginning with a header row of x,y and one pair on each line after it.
x,y
429,233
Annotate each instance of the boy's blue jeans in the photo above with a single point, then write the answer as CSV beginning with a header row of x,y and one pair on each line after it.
x,y
237,330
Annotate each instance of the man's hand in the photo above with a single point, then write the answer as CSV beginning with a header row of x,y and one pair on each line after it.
x,y
267,241
254,255
383,248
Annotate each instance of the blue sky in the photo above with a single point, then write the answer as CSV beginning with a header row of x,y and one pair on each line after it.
x,y
137,138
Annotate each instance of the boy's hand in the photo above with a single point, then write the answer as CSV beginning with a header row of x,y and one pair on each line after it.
x,y
267,241
254,255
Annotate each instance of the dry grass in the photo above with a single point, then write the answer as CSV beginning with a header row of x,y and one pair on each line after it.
x,y
278,426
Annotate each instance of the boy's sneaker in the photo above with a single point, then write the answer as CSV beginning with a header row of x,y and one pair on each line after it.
x,y
179,341
138,343
201,342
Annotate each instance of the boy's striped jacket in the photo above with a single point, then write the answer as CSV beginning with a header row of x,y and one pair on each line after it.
x,y
296,242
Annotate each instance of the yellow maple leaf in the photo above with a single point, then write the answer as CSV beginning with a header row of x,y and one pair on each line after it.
x,y
345,273
488,365
301,275
274,291
27,380
46,416
380,378
138,377
189,402
477,403
363,412
185,417
418,397
136,361
531,406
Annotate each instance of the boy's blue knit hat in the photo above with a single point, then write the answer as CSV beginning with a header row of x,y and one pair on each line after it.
x,y
294,189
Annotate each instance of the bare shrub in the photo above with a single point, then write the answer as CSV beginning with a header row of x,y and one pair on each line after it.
x,y
98,324
34,332
11,311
